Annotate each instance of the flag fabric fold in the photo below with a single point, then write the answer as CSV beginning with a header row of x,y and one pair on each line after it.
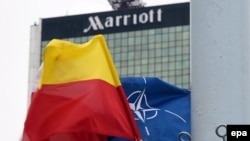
x,y
79,96
161,110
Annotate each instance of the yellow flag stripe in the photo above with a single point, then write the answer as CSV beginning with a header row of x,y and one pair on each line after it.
x,y
65,62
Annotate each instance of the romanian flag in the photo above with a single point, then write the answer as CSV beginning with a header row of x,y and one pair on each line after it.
x,y
79,96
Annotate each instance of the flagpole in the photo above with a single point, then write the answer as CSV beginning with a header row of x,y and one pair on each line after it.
x,y
220,66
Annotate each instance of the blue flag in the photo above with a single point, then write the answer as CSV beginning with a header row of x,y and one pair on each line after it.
x,y
161,110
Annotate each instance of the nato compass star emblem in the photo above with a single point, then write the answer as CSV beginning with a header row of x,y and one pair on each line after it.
x,y
146,112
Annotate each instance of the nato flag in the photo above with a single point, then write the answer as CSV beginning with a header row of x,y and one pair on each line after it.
x,y
161,110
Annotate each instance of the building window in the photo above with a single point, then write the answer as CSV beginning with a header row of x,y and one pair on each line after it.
x,y
162,52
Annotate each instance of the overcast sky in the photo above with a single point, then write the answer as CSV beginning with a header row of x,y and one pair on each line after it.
x,y
16,17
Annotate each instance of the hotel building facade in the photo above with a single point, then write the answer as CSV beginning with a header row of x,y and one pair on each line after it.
x,y
149,41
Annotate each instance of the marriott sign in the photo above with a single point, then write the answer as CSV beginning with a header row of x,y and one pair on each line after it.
x,y
115,21
150,16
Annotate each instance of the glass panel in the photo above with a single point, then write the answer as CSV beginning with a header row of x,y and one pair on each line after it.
x,y
161,52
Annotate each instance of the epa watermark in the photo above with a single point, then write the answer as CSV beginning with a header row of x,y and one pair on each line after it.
x,y
238,132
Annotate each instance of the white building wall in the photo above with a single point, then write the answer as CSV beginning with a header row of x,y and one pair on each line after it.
x,y
220,65
34,60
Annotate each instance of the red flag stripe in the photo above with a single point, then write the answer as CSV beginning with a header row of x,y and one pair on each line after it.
x,y
60,109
